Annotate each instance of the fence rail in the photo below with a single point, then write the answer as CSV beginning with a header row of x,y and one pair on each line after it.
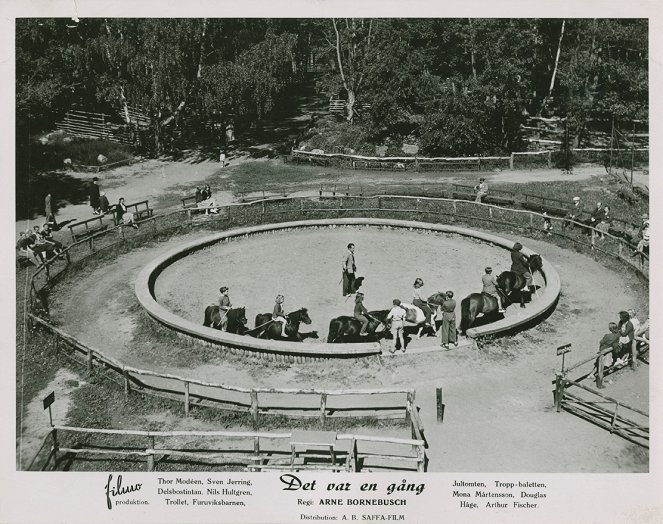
x,y
217,395
626,421
250,450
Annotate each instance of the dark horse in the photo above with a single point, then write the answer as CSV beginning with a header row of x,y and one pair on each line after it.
x,y
510,284
266,328
236,319
345,328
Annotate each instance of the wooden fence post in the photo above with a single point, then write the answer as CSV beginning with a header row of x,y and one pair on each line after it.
x,y
409,406
54,434
490,212
559,391
421,463
254,408
186,399
440,405
256,445
323,410
531,220
150,457
549,159
355,457
511,162
621,249
127,386
189,216
455,210
599,371
89,361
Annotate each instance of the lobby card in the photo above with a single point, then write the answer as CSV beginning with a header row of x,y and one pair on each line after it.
x,y
502,458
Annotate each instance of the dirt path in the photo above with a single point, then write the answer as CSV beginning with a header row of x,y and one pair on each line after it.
x,y
499,413
36,424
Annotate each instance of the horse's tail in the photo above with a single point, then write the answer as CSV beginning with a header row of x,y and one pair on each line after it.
x,y
334,325
207,321
465,314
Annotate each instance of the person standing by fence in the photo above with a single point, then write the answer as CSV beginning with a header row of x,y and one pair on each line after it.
x,y
349,268
449,335
48,211
94,196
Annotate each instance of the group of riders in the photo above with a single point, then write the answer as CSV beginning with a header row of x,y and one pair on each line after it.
x,y
397,315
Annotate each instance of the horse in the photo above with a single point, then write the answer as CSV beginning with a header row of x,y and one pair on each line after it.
x,y
267,328
344,328
510,282
236,319
416,316
474,304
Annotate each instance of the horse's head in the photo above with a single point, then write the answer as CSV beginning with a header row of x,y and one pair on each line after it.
x,y
535,262
437,298
240,315
301,315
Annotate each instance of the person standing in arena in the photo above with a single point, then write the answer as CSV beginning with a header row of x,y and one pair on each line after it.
x,y
349,269
449,335
397,317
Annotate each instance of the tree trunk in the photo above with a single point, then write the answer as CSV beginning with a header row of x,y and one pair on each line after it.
x,y
350,105
552,79
474,69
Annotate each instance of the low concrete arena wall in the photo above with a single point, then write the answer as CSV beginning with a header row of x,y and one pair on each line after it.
x,y
144,289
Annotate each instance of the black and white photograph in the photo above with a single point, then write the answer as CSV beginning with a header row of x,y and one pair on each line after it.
x,y
347,263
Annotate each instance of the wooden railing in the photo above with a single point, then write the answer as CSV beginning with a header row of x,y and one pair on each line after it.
x,y
200,393
626,421
260,451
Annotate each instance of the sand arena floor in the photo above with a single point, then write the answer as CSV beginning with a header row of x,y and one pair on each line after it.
x,y
305,266
499,415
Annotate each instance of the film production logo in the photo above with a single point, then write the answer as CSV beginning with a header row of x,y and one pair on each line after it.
x,y
118,489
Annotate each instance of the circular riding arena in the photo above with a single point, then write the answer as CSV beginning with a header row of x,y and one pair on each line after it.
x,y
302,260
499,412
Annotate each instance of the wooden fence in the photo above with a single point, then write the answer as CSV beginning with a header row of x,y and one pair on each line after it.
x,y
94,125
604,411
193,392
252,451
516,160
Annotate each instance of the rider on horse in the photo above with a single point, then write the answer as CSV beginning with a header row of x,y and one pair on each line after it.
x,y
278,315
360,313
490,287
520,265
420,301
224,307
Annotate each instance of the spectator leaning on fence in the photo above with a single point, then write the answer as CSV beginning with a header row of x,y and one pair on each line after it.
x,y
104,204
643,244
626,337
597,215
482,189
609,341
